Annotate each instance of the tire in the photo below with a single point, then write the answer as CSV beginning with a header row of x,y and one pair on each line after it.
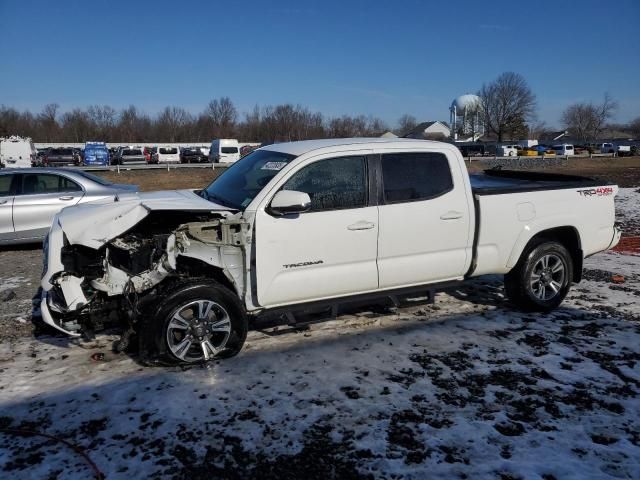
x,y
192,309
542,277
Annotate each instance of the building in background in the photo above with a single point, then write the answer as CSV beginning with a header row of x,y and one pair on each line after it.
x,y
429,131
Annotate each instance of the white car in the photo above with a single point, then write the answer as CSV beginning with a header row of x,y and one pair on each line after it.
x,y
224,150
564,149
17,152
314,224
167,154
507,151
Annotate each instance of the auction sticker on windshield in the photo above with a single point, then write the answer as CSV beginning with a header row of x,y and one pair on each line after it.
x,y
273,166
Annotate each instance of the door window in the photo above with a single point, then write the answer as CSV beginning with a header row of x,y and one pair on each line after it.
x,y
333,184
408,177
39,183
5,185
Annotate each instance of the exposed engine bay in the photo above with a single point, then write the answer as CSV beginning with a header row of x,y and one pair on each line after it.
x,y
88,287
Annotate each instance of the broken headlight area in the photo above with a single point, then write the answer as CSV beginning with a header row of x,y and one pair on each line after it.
x,y
117,282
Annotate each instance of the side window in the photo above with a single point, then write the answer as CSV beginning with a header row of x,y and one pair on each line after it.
x,y
332,184
39,183
415,176
5,185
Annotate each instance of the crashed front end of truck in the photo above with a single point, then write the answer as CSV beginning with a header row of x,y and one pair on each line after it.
x,y
106,264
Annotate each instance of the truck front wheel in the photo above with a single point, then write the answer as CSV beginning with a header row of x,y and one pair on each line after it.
x,y
542,278
197,321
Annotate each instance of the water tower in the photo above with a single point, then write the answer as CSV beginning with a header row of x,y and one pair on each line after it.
x,y
466,118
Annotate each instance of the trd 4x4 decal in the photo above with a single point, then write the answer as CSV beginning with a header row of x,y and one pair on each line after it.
x,y
599,192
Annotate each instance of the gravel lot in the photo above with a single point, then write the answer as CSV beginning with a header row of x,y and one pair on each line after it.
x,y
465,388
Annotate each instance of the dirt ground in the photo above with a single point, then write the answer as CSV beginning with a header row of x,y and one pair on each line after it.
x,y
623,171
158,179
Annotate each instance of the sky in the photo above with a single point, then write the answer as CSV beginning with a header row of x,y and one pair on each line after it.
x,y
338,57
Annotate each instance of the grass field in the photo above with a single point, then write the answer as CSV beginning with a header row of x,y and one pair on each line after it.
x,y
623,171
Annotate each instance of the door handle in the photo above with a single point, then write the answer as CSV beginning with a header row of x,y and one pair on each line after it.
x,y
66,197
451,215
362,226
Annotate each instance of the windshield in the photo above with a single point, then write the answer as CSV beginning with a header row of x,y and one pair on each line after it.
x,y
96,151
243,180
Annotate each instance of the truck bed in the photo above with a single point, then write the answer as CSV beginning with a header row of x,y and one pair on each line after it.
x,y
497,182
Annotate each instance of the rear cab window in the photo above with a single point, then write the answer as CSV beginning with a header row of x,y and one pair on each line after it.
x,y
410,177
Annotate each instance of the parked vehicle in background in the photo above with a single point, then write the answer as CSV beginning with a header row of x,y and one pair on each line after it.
x,y
224,150
42,152
17,152
564,149
29,199
247,149
507,150
192,155
129,155
607,148
167,154
95,154
205,152
623,150
316,223
61,157
149,153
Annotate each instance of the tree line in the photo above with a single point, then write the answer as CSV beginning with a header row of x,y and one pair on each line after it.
x,y
507,106
220,119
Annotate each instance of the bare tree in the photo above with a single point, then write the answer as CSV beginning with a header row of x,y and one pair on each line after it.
x,y
76,126
406,123
506,102
634,127
223,115
49,122
586,121
172,123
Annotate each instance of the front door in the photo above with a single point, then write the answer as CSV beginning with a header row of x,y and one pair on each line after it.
x,y
42,196
328,251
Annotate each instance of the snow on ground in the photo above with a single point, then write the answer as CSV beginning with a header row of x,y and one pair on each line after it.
x,y
465,388
628,210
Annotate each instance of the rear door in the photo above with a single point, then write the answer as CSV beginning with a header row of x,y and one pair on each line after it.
x,y
6,206
329,251
39,198
425,223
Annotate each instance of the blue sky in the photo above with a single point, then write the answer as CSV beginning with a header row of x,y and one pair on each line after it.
x,y
338,57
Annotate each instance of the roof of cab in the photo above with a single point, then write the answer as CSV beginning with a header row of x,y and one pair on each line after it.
x,y
305,146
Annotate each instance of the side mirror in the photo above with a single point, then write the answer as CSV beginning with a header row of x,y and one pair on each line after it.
x,y
289,201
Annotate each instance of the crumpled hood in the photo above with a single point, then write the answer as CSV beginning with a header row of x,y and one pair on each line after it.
x,y
95,223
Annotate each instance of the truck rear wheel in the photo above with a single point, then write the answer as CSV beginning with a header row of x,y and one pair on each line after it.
x,y
542,278
198,321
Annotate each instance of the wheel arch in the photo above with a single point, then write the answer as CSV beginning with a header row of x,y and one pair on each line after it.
x,y
198,268
566,235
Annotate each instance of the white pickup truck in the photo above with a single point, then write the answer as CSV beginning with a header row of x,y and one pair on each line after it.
x,y
314,224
